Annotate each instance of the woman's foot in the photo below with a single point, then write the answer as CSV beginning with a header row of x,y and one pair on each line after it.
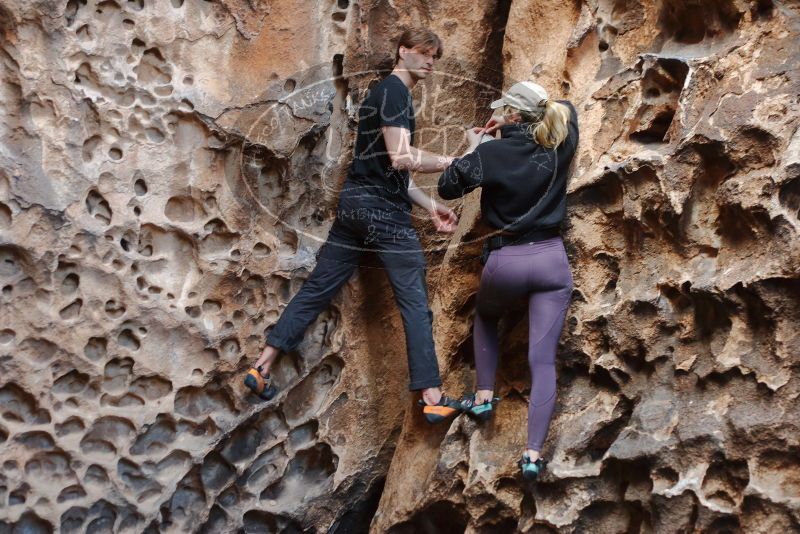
x,y
479,406
435,413
259,384
531,469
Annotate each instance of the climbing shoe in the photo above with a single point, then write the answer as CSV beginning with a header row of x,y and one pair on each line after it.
x,y
435,413
259,384
531,470
482,412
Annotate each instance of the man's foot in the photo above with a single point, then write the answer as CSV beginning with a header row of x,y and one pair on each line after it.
x,y
482,412
531,470
435,413
259,384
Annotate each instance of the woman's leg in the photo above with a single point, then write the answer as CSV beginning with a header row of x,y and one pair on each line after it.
x,y
503,281
546,311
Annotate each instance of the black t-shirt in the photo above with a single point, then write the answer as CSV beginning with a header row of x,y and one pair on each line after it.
x,y
371,173
523,184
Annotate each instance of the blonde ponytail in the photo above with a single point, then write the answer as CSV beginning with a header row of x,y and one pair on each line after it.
x,y
551,130
548,127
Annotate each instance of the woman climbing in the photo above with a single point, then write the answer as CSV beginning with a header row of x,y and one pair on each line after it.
x,y
523,176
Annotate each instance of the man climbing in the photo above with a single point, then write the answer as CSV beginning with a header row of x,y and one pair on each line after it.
x,y
374,213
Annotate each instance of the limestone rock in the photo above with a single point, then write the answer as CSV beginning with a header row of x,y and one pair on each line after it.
x,y
168,170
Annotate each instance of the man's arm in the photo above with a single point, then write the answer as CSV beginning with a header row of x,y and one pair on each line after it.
x,y
443,217
405,157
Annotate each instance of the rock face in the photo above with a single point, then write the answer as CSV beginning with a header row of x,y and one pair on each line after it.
x,y
168,170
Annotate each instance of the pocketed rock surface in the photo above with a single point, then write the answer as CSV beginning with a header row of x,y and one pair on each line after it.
x,y
169,169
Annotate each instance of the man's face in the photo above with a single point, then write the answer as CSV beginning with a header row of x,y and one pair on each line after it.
x,y
418,60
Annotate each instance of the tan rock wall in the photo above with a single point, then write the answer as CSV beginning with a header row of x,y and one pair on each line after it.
x,y
168,169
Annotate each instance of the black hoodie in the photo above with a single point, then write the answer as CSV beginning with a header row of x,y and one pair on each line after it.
x,y
524,184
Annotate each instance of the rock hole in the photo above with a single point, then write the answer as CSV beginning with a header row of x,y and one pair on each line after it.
x,y
71,310
257,521
216,473
211,306
5,216
70,493
229,349
260,249
310,469
72,383
156,437
151,387
96,348
289,85
90,145
789,196
114,309
140,187
30,523
71,425
128,339
656,130
154,135
7,336
71,12
95,476
308,397
304,435
194,401
183,209
217,522
83,33
115,153
70,284
653,92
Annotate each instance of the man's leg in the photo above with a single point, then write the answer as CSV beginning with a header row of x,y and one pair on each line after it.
x,y
336,262
405,265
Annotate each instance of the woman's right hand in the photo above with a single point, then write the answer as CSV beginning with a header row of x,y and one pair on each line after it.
x,y
494,124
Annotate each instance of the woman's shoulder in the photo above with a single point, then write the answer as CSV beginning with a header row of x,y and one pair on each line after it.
x,y
570,105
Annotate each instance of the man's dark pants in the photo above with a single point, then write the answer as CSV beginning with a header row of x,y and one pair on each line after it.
x,y
368,223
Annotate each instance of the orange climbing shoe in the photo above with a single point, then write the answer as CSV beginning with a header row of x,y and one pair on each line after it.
x,y
259,384
435,413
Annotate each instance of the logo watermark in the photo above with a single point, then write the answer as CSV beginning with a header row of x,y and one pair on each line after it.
x,y
297,130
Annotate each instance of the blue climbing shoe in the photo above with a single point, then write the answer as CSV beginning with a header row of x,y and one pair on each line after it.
x,y
531,470
482,412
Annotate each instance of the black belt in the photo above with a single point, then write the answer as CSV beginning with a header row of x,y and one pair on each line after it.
x,y
500,241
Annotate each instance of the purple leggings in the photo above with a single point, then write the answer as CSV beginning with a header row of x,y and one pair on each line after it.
x,y
540,272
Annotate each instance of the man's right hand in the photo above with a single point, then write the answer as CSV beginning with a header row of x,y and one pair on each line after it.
x,y
494,124
444,219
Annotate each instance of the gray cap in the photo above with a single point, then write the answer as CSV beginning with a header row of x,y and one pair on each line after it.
x,y
525,96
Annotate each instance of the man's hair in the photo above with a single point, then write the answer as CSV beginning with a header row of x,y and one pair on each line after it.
x,y
419,37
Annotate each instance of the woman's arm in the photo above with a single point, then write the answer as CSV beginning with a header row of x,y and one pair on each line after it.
x,y
465,173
